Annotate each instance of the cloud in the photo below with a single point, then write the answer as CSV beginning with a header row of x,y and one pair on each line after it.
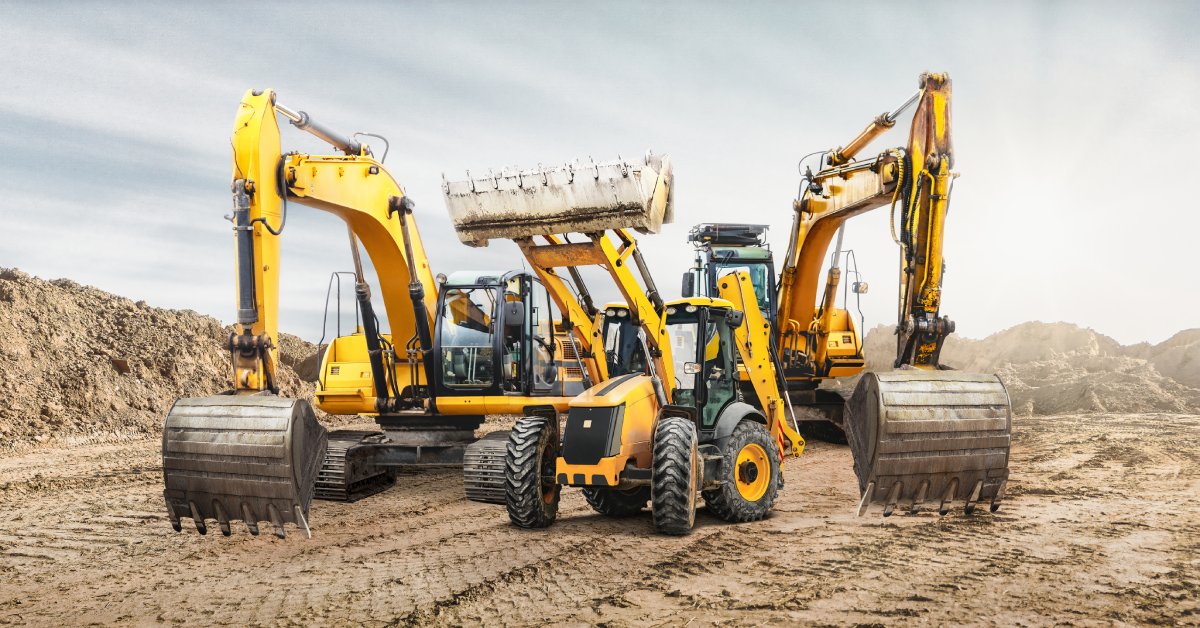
x,y
115,124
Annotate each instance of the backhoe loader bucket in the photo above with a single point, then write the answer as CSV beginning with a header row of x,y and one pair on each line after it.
x,y
249,458
572,198
938,436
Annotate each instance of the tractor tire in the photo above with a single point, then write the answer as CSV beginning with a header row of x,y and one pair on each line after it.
x,y
612,502
750,475
675,476
530,492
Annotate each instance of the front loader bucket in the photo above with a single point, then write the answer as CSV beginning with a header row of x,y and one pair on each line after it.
x,y
250,458
573,198
937,436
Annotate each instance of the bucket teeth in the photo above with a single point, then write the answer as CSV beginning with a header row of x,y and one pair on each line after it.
x,y
303,521
866,498
276,519
998,496
892,498
920,498
222,518
200,527
948,496
250,519
974,497
174,517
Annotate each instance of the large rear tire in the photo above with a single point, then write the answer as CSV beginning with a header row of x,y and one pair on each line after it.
x,y
530,492
750,475
674,478
613,502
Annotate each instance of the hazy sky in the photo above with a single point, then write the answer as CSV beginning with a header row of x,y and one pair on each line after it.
x,y
1075,127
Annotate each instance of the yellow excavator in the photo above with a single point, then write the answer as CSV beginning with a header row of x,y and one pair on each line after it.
x,y
460,346
921,431
660,436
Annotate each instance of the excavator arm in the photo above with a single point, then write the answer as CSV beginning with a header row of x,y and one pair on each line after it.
x,y
923,432
249,454
915,180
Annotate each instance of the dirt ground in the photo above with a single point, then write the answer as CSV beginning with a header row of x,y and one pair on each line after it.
x,y
1102,526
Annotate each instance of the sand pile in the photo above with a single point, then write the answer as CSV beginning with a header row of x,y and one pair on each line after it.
x,y
79,363
1052,368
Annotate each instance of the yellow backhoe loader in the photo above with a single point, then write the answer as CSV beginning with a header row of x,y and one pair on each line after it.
x,y
921,431
479,343
659,436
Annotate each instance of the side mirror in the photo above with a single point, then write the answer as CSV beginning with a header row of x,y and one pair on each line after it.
x,y
514,314
735,318
691,368
859,287
689,284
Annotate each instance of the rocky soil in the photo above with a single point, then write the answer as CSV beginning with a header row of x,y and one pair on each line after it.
x,y
1054,368
81,365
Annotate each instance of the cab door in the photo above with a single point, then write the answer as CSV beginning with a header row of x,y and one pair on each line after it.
x,y
543,367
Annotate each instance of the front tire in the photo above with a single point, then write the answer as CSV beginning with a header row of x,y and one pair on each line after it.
x,y
530,492
750,475
613,502
675,476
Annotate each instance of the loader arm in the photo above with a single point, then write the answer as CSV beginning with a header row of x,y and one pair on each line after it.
x,y
597,202
754,347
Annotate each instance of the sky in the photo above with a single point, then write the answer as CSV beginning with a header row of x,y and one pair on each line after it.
x,y
1074,130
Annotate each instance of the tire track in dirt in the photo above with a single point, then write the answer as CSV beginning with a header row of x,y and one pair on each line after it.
x,y
1101,525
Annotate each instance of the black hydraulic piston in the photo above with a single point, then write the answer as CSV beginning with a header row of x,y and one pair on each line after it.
x,y
247,301
416,290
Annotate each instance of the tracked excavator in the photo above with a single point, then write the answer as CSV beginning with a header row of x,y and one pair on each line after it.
x,y
668,423
919,432
459,347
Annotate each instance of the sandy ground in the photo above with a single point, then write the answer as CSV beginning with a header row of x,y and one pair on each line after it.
x,y
1102,526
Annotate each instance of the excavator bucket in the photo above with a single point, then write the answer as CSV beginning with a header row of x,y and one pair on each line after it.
x,y
250,458
929,436
572,198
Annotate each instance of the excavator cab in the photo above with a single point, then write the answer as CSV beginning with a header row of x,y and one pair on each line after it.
x,y
726,248
494,335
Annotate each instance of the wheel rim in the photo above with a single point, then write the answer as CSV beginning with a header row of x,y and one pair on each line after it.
x,y
753,472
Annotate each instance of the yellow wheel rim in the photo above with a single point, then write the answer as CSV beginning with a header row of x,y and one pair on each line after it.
x,y
753,472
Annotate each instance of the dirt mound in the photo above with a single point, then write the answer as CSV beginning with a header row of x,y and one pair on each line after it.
x,y
79,363
1052,368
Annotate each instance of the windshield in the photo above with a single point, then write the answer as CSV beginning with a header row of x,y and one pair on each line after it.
x,y
759,276
622,345
466,336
